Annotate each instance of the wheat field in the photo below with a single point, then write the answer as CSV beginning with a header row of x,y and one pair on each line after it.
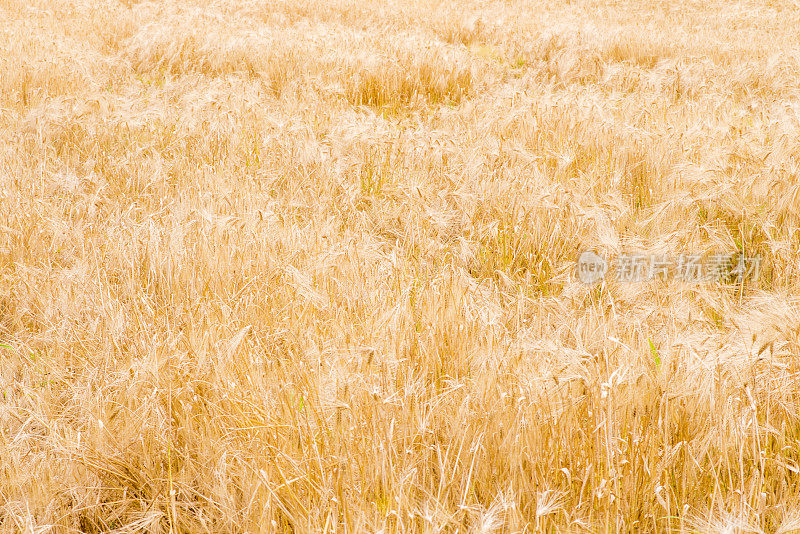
x,y
292,266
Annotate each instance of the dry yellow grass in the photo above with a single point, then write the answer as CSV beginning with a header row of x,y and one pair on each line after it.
x,y
310,266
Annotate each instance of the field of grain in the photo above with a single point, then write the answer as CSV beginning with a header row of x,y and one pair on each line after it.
x,y
292,266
